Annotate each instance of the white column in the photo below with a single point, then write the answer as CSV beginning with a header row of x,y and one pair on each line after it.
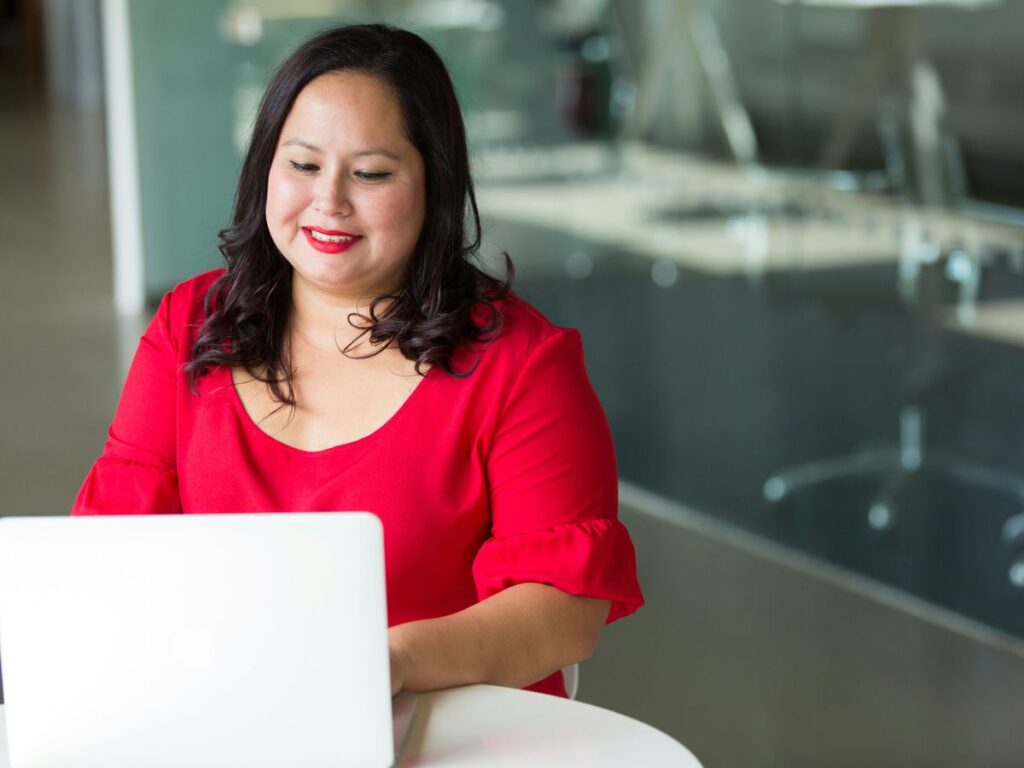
x,y
122,157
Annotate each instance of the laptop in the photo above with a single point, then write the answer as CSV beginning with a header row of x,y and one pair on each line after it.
x,y
161,641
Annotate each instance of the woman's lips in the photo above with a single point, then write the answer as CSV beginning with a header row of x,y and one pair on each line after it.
x,y
330,240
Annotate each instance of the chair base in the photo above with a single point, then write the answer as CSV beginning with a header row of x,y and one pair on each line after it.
x,y
897,463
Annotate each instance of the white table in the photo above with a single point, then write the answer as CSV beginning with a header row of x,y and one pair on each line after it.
x,y
483,725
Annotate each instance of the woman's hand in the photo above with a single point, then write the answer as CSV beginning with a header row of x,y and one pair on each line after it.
x,y
398,664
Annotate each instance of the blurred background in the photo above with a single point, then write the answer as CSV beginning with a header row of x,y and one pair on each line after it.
x,y
792,236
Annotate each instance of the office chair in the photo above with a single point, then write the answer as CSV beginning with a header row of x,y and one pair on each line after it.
x,y
897,463
571,677
1013,534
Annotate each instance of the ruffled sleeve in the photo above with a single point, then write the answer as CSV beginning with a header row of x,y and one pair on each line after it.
x,y
593,558
137,472
553,487
121,487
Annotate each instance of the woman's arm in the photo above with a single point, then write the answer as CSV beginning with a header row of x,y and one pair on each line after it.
x,y
558,564
513,638
137,472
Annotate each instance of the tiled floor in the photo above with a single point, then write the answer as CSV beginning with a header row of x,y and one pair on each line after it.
x,y
749,654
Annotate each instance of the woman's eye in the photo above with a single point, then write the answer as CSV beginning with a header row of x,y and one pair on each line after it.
x,y
370,176
304,167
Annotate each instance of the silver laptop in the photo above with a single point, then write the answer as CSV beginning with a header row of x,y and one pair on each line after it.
x,y
205,641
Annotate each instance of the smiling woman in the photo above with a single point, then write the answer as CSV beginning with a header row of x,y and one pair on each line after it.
x,y
345,179
352,357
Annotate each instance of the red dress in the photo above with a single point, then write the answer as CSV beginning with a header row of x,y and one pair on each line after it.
x,y
502,477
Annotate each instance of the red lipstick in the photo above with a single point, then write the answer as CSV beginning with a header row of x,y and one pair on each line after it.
x,y
333,245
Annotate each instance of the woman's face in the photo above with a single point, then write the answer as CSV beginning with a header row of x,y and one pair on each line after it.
x,y
346,194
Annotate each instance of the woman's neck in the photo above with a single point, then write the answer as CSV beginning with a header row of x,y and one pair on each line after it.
x,y
325,321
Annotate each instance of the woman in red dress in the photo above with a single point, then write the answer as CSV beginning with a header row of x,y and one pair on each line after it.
x,y
351,356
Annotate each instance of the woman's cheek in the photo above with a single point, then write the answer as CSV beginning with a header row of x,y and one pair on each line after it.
x,y
404,212
284,200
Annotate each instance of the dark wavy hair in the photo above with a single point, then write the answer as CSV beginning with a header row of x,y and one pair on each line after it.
x,y
438,308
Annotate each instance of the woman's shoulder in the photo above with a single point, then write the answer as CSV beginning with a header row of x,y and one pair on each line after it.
x,y
185,303
525,329
182,312
195,288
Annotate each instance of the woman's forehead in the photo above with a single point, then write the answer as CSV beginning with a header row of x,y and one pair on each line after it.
x,y
345,108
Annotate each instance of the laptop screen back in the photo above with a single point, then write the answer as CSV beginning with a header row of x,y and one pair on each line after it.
x,y
202,640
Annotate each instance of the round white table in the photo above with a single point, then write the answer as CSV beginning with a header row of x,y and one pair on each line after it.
x,y
483,725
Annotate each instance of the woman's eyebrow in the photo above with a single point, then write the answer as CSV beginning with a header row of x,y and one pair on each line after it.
x,y
376,151
358,153
302,143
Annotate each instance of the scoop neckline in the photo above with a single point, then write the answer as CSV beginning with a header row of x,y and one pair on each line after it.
x,y
252,426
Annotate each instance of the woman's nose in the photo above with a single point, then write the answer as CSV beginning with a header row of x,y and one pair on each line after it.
x,y
332,198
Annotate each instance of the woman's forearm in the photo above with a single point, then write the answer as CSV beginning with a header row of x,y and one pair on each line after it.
x,y
513,638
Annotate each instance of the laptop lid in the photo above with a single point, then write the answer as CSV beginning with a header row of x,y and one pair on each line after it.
x,y
160,641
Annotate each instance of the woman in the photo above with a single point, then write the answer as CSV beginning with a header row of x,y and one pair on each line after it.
x,y
352,357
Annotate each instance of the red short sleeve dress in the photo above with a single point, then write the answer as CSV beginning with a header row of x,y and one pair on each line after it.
x,y
502,477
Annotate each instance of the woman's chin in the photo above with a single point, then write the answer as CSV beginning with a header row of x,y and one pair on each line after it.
x,y
340,285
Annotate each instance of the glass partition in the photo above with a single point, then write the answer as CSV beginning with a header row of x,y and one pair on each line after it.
x,y
789,232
